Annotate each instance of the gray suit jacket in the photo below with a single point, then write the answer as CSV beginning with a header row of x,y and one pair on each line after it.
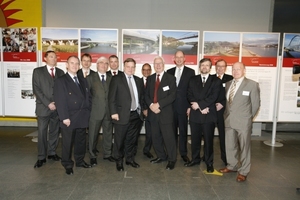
x,y
42,84
99,94
244,107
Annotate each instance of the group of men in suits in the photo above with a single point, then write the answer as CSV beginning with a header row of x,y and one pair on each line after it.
x,y
166,100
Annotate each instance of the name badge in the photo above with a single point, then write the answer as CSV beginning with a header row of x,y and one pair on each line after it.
x,y
246,93
166,88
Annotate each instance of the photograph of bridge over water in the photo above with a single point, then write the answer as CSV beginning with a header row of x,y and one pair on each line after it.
x,y
260,45
291,45
99,42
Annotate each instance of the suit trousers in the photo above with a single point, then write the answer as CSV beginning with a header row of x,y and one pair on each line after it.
x,y
148,140
181,123
73,138
238,147
207,131
125,138
163,137
45,122
94,128
221,130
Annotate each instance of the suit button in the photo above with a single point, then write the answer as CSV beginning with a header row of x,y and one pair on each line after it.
x,y
75,102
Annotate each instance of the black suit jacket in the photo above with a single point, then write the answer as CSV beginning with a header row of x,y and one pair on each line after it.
x,y
205,97
80,73
119,99
166,95
42,84
72,102
181,103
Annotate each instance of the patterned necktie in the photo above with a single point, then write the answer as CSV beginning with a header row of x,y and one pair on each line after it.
x,y
203,81
76,81
85,74
156,88
232,92
52,74
133,101
219,76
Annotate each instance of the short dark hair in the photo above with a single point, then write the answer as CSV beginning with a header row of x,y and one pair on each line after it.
x,y
221,60
129,60
204,60
48,52
146,65
86,55
113,56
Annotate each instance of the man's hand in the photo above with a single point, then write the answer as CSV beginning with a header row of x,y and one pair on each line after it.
x,y
67,122
188,112
145,112
115,117
52,106
205,111
195,105
219,106
155,108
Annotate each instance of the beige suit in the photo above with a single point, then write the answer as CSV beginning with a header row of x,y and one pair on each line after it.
x,y
238,118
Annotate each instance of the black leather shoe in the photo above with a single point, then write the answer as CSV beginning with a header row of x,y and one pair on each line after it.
x,y
192,163
54,157
84,165
210,168
170,165
133,164
185,159
39,163
148,154
120,167
69,171
156,160
94,161
110,158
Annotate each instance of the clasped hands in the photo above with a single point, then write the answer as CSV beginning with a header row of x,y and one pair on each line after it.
x,y
195,106
155,108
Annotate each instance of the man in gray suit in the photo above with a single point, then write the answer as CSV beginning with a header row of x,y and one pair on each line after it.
x,y
243,102
42,83
98,84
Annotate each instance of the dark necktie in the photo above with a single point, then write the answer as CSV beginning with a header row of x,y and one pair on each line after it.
x,y
156,88
52,74
76,81
114,73
203,81
102,79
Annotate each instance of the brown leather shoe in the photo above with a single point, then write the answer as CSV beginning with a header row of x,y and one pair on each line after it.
x,y
226,170
241,178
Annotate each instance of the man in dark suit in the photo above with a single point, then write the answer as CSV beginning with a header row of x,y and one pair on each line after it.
x,y
159,96
243,103
221,66
73,101
114,65
42,83
125,98
181,104
100,117
147,71
86,62
203,91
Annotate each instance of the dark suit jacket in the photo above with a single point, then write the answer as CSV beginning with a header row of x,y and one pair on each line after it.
x,y
119,72
119,98
166,95
72,102
99,94
80,73
205,97
222,97
42,84
181,103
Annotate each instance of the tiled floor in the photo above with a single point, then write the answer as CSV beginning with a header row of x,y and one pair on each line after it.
x,y
274,174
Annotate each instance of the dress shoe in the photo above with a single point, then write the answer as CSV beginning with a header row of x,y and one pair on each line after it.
x,y
84,165
210,168
170,165
69,171
110,158
148,154
54,157
93,161
226,170
192,163
241,178
156,160
39,163
133,164
185,159
120,167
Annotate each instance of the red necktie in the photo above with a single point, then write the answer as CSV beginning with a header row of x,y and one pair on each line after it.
x,y
52,74
114,73
156,88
